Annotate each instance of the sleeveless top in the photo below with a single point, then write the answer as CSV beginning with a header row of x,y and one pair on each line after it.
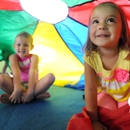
x,y
24,65
115,82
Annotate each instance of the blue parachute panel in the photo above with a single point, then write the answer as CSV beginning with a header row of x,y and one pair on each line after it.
x,y
74,35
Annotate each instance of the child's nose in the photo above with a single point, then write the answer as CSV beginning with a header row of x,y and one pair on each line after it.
x,y
22,47
102,27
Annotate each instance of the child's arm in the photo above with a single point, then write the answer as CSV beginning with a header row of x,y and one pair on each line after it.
x,y
17,93
91,97
91,92
29,95
4,68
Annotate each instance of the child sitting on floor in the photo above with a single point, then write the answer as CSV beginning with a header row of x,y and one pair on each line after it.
x,y
24,86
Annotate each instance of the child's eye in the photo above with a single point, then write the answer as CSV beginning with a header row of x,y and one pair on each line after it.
x,y
95,21
25,44
111,20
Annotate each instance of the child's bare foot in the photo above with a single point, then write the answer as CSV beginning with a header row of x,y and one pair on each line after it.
x,y
43,96
4,98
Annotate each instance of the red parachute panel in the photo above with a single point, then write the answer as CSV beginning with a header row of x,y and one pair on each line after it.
x,y
81,12
10,5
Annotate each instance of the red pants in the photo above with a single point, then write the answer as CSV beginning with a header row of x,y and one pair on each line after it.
x,y
118,119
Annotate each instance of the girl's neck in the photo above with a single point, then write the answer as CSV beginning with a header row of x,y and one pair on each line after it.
x,y
24,57
109,58
108,53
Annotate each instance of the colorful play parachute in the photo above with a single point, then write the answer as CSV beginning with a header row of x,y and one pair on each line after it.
x,y
58,42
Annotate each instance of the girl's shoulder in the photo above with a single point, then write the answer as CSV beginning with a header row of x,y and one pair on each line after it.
x,y
34,57
92,56
13,56
125,54
124,51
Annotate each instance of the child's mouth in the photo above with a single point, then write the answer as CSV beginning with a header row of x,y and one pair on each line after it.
x,y
103,35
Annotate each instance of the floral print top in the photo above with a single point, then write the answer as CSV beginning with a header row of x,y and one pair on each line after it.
x,y
115,82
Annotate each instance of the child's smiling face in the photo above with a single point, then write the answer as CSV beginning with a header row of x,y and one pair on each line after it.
x,y
105,26
22,46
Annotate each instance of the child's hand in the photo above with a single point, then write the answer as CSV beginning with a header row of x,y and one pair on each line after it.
x,y
27,97
16,96
98,126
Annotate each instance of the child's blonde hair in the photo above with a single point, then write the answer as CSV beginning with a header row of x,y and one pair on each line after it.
x,y
26,35
124,41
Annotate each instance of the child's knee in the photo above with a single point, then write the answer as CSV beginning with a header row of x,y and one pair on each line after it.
x,y
51,77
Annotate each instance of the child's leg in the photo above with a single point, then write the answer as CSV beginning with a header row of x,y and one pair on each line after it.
x,y
104,100
120,104
43,85
6,83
